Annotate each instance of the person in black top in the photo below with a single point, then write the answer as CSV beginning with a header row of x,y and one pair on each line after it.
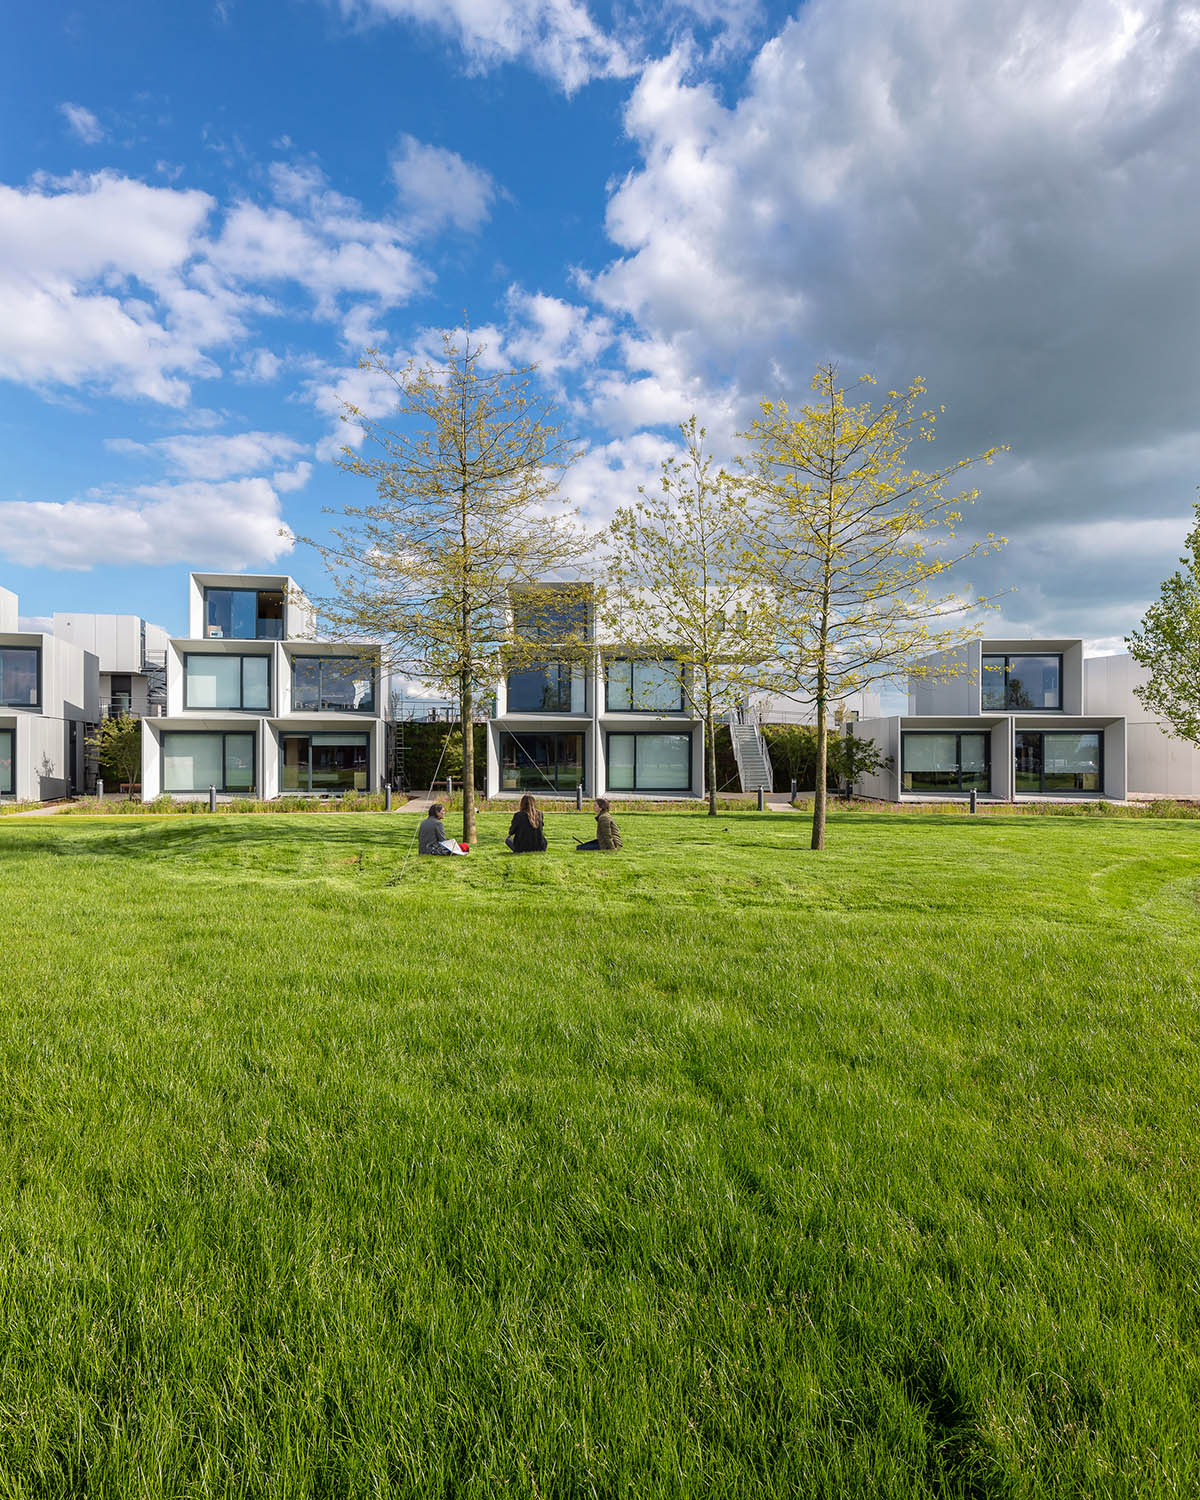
x,y
525,833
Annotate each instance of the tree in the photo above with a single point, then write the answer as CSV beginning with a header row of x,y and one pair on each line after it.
x,y
118,746
678,584
852,545
466,511
1168,646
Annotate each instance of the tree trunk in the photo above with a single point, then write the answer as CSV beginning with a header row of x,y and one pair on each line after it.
x,y
818,825
712,763
468,777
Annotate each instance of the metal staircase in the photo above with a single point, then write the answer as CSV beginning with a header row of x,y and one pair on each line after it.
x,y
154,665
752,757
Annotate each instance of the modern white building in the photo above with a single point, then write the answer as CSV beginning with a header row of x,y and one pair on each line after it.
x,y
1024,720
258,706
607,719
133,659
49,696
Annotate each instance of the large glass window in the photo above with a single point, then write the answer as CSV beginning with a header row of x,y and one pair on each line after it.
x,y
1059,763
7,763
341,683
193,760
550,615
547,687
1015,683
932,762
644,687
649,762
20,674
226,681
541,762
243,614
326,763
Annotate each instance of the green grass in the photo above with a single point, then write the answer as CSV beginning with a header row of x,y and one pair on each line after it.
x,y
711,1168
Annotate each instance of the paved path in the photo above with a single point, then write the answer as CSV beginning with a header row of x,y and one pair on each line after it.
x,y
41,812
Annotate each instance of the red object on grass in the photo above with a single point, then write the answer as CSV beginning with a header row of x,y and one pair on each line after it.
x,y
466,848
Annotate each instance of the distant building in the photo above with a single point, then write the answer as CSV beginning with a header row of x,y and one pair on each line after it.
x,y
133,660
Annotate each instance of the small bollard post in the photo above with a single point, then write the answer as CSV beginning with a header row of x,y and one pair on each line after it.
x,y
761,799
793,797
387,797
449,788
579,797
99,789
974,799
212,799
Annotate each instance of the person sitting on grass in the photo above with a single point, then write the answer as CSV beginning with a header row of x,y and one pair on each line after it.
x,y
431,836
608,835
525,832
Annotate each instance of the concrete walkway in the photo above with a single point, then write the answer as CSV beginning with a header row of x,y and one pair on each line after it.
x,y
41,812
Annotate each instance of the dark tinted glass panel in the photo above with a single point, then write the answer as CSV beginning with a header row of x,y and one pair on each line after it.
x,y
992,689
339,764
1034,682
294,773
306,684
1071,762
619,686
239,762
973,762
269,615
550,616
6,763
19,676
1029,762
541,762
541,688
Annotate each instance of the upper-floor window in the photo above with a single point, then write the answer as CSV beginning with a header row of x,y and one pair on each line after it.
x,y
556,687
343,683
243,614
550,615
226,681
20,677
644,687
1015,683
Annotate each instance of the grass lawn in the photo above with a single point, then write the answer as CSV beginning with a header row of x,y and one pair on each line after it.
x,y
712,1168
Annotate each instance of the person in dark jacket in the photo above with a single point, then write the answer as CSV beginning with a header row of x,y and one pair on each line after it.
x,y
525,833
608,835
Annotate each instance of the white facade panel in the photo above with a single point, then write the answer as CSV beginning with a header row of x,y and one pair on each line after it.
x,y
9,612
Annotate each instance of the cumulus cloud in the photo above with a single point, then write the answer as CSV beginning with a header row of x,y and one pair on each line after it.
x,y
236,524
558,38
554,334
999,198
216,455
82,123
437,187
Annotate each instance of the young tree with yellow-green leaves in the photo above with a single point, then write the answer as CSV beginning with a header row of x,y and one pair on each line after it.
x,y
854,546
467,510
678,585
1168,646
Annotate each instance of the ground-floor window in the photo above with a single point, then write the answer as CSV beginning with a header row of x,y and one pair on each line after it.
x,y
326,763
1060,762
7,763
541,762
949,762
194,759
649,762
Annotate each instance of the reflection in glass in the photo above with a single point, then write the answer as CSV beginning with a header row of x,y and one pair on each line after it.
x,y
343,684
19,676
325,763
243,614
1059,762
946,762
644,686
7,780
541,762
1011,684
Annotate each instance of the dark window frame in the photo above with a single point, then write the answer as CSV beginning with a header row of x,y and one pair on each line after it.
x,y
556,735
631,662
565,671
641,734
11,731
258,618
1009,657
307,734
237,791
242,657
1058,791
41,685
372,666
984,734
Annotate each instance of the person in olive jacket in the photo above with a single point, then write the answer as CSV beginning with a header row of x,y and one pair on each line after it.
x,y
608,835
525,833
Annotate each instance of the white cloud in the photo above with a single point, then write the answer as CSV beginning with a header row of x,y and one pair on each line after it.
x,y
554,334
1000,198
437,187
608,474
216,455
82,123
234,525
259,365
556,37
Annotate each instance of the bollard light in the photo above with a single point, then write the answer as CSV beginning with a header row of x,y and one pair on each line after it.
x,y
974,799
449,788
387,797
100,788
212,799
579,797
761,799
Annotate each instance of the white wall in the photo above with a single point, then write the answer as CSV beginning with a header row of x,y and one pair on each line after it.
x,y
115,639
947,696
9,611
884,784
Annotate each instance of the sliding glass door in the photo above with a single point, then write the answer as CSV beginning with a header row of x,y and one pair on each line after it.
x,y
325,764
1059,763
7,763
541,762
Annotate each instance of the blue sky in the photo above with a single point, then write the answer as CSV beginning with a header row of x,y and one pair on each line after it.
x,y
208,210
